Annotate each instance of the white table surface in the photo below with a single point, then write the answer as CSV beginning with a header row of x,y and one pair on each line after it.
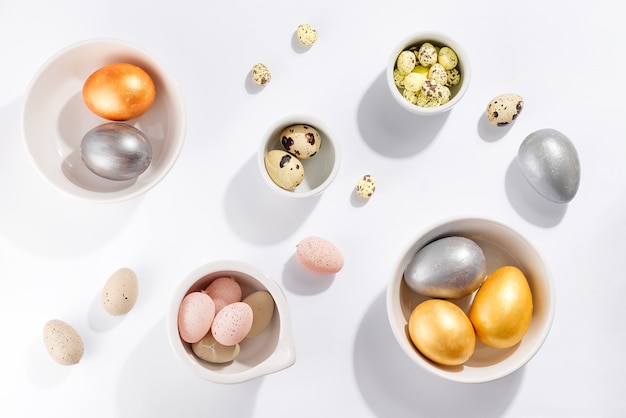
x,y
565,58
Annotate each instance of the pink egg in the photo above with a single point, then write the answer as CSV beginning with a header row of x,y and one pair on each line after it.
x,y
224,291
319,255
232,323
195,316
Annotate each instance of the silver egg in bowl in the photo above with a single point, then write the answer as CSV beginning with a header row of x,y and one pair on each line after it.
x,y
116,151
55,119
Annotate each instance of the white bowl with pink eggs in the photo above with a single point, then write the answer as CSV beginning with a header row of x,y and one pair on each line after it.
x,y
267,351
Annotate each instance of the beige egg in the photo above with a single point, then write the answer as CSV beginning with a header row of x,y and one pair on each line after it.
x,y
63,342
285,170
262,305
210,350
120,292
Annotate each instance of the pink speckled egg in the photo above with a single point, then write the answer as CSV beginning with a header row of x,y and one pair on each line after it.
x,y
319,255
232,324
224,291
195,316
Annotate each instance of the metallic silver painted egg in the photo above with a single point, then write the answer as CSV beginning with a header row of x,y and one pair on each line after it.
x,y
450,267
549,162
116,151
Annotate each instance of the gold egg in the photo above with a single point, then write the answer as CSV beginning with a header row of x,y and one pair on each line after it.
x,y
502,308
119,92
442,332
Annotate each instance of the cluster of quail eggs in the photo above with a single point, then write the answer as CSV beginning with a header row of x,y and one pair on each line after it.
x,y
298,142
117,150
424,74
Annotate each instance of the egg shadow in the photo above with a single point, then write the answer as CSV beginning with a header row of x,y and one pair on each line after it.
x,y
100,320
36,226
394,386
297,46
390,130
357,201
167,389
42,371
299,281
250,86
258,214
528,203
489,132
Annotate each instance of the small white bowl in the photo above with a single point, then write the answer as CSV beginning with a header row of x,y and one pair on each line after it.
x,y
269,352
438,40
55,119
319,170
501,246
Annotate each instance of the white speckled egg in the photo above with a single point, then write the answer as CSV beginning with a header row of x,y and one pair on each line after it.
x,y
303,141
285,170
504,109
63,342
120,292
262,304
549,162
450,267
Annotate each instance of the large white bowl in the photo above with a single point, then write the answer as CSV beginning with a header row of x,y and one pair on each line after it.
x,y
55,119
501,246
269,352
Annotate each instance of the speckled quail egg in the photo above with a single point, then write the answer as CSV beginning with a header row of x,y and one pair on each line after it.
x,y
285,170
504,109
366,186
303,141
427,54
261,75
406,62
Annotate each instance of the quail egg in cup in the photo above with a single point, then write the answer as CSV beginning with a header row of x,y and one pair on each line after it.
x,y
428,73
502,247
262,352
299,156
56,118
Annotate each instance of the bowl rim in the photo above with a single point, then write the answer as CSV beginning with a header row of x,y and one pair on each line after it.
x,y
330,138
178,135
283,356
424,36
393,308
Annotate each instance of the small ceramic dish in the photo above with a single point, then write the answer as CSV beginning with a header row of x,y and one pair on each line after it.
x,y
501,246
55,119
319,170
271,351
438,40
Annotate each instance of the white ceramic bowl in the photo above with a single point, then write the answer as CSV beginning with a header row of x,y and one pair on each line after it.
x,y
501,246
55,119
319,170
438,40
271,351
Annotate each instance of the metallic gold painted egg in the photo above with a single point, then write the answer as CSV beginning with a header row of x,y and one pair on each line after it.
x,y
442,332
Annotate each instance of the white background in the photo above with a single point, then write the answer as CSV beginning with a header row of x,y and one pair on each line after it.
x,y
565,58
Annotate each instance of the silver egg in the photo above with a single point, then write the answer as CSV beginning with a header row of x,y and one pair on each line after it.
x,y
116,151
549,162
450,267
